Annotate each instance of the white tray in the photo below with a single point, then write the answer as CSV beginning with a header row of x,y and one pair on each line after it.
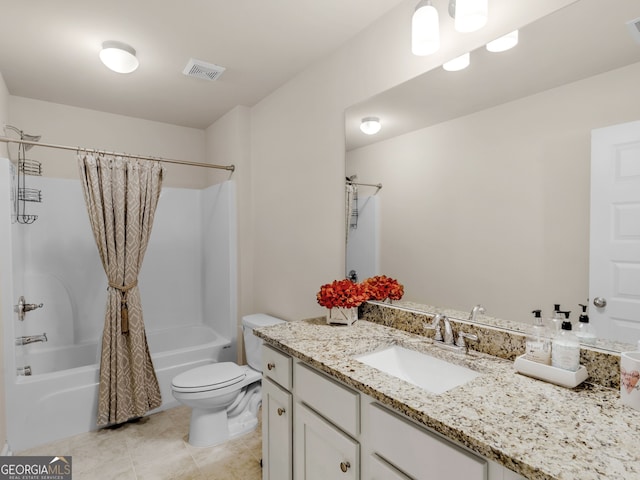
x,y
550,374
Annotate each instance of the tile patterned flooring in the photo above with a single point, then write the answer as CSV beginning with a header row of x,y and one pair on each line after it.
x,y
156,448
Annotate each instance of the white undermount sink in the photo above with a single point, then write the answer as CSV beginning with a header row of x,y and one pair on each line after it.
x,y
427,372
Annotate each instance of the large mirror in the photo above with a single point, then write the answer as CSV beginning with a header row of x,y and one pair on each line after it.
x,y
485,172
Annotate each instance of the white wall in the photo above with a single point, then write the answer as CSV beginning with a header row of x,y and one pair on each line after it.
x,y
66,125
228,142
4,115
493,208
297,149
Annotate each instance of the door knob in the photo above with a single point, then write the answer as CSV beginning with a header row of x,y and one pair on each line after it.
x,y
600,302
344,466
281,411
271,366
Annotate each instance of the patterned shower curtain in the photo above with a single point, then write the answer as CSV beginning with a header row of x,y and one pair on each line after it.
x,y
121,197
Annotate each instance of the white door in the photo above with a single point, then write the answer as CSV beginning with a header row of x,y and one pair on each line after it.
x,y
614,270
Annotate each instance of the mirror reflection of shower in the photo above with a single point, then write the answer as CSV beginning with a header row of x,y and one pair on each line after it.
x,y
21,194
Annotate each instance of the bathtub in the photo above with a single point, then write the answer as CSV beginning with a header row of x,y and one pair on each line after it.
x,y
60,398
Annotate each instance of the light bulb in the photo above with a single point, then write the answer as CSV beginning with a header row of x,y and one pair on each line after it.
x,y
503,43
370,125
425,29
458,63
471,15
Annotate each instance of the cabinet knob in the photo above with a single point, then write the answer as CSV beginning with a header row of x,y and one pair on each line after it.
x,y
344,466
271,366
281,411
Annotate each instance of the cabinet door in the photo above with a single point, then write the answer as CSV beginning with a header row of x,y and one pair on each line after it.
x,y
277,432
381,470
323,452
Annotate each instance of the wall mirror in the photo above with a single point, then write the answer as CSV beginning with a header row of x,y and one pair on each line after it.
x,y
486,171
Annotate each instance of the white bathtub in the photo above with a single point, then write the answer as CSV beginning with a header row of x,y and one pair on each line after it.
x,y
60,398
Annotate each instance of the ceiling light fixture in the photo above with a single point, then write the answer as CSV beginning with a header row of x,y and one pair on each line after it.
x,y
370,125
503,43
458,63
469,15
425,29
119,57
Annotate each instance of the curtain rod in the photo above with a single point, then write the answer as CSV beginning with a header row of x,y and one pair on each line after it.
x,y
142,157
376,185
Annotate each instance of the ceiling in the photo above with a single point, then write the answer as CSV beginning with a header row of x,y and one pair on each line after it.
x,y
49,51
578,41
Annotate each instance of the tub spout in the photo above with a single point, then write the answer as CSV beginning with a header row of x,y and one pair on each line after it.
x,y
27,339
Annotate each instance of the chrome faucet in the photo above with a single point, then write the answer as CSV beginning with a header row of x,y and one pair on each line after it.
x,y
27,339
447,340
478,309
435,325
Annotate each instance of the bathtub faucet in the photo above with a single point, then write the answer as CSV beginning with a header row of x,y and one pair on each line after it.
x,y
26,340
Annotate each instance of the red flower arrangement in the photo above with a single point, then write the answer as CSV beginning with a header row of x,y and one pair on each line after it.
x,y
382,287
342,293
347,294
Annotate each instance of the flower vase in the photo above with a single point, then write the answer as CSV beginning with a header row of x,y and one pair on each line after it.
x,y
342,315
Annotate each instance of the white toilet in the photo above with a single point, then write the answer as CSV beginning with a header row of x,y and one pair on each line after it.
x,y
225,397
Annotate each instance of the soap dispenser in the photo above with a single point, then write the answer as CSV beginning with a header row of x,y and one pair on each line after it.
x,y
538,345
585,331
565,350
557,319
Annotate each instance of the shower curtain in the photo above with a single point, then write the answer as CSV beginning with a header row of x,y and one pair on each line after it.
x,y
121,196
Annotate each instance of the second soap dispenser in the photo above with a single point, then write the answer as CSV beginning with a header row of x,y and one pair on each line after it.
x,y
565,349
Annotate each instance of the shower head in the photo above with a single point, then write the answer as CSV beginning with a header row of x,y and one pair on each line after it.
x,y
24,136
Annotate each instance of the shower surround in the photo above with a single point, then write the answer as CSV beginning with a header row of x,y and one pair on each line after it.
x,y
187,285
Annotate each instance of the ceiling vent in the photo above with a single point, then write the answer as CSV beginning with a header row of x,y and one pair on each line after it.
x,y
203,70
634,29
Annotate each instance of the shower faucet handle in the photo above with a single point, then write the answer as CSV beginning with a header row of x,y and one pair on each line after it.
x,y
23,307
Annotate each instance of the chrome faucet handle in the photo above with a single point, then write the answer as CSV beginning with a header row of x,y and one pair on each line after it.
x,y
435,324
461,343
448,331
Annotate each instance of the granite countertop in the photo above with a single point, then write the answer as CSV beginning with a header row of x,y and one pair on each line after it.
x,y
536,429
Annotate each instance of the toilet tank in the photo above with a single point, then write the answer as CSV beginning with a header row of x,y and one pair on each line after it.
x,y
253,344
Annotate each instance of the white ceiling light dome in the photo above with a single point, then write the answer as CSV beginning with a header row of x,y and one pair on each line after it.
x,y
119,57
370,125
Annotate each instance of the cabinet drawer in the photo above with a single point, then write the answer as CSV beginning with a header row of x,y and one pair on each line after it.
x,y
330,399
419,453
277,366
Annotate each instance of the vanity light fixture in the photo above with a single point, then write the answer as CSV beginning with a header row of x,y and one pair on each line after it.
x,y
503,43
425,29
119,57
370,125
469,15
458,63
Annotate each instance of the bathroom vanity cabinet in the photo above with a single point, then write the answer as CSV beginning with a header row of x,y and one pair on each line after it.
x,y
316,428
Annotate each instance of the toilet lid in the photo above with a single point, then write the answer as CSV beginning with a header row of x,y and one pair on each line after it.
x,y
208,377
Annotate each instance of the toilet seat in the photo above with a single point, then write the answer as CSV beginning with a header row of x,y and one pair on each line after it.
x,y
214,376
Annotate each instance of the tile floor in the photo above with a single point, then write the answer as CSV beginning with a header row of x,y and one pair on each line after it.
x,y
156,448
